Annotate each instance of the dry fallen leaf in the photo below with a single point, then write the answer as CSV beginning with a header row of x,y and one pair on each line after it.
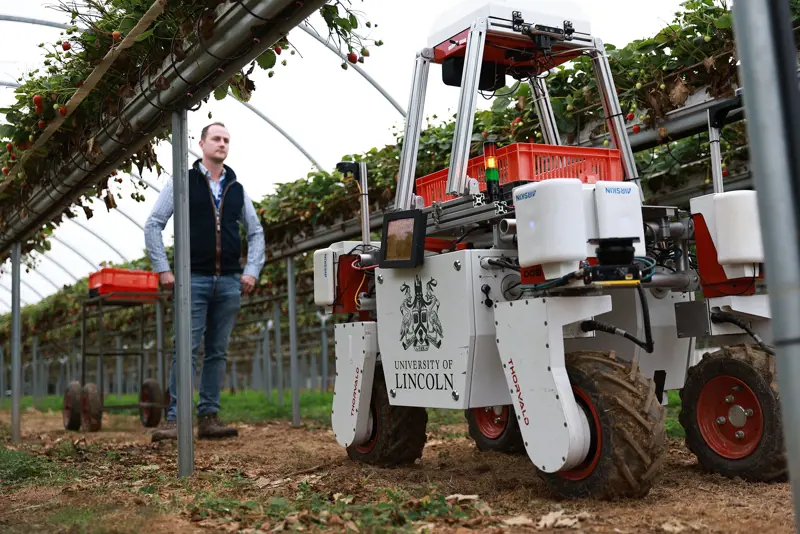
x,y
461,498
351,526
261,483
423,527
517,521
549,520
340,497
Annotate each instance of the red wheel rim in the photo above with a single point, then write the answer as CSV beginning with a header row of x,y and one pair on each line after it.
x,y
729,417
490,423
367,446
588,466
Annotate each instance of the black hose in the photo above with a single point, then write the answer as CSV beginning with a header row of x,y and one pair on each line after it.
x,y
647,344
722,317
648,332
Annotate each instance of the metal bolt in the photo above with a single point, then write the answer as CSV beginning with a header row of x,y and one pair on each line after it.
x,y
729,399
455,395
720,420
748,412
739,434
457,265
380,278
736,388
497,420
393,393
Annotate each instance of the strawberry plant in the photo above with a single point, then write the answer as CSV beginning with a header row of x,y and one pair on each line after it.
x,y
43,92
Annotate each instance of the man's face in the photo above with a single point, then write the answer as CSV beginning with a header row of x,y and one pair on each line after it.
x,y
216,144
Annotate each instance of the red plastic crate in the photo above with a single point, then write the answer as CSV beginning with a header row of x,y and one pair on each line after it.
x,y
532,163
110,280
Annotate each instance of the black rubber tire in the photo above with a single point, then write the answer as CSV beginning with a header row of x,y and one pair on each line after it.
x,y
399,436
150,392
92,409
757,369
633,444
509,442
71,408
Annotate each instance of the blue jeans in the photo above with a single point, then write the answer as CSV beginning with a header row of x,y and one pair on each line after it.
x,y
215,306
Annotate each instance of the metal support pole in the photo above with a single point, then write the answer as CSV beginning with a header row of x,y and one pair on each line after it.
x,y
324,357
416,109
160,345
267,363
3,388
716,154
183,295
293,364
16,360
467,102
35,370
767,54
255,370
60,382
276,313
118,381
613,112
544,110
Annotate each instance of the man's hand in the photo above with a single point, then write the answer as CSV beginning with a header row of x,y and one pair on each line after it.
x,y
166,279
248,283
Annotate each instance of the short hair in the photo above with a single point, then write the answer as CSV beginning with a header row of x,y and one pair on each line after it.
x,y
205,130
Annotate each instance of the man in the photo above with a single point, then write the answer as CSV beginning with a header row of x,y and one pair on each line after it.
x,y
217,205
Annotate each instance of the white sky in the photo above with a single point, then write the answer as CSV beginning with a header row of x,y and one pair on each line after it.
x,y
331,112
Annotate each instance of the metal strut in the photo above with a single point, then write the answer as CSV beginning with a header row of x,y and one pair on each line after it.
x,y
467,102
544,110
613,111
416,108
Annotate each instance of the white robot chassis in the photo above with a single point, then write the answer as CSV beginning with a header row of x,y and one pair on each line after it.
x,y
553,308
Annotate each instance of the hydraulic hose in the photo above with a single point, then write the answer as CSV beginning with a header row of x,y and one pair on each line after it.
x,y
722,317
647,344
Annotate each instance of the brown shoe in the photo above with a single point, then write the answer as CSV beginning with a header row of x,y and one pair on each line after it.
x,y
210,426
168,431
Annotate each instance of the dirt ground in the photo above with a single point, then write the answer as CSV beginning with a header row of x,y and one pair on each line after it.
x,y
127,484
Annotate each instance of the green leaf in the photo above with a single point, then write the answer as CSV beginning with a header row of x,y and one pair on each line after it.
x,y
353,21
267,59
7,131
724,22
144,35
500,103
221,92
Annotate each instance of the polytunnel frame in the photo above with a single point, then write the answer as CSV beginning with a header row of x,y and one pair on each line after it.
x,y
200,61
303,26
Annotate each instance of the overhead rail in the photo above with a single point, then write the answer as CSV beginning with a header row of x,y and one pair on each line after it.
x,y
233,29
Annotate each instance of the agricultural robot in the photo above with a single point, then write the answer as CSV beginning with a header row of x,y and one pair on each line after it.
x,y
531,288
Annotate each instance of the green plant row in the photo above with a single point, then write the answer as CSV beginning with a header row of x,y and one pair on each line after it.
x,y
44,92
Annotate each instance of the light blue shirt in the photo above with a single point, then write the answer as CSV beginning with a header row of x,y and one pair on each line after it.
x,y
163,209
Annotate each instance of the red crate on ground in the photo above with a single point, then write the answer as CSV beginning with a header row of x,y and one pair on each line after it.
x,y
123,282
530,162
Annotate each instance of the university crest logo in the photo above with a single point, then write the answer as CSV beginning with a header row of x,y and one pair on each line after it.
x,y
420,326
